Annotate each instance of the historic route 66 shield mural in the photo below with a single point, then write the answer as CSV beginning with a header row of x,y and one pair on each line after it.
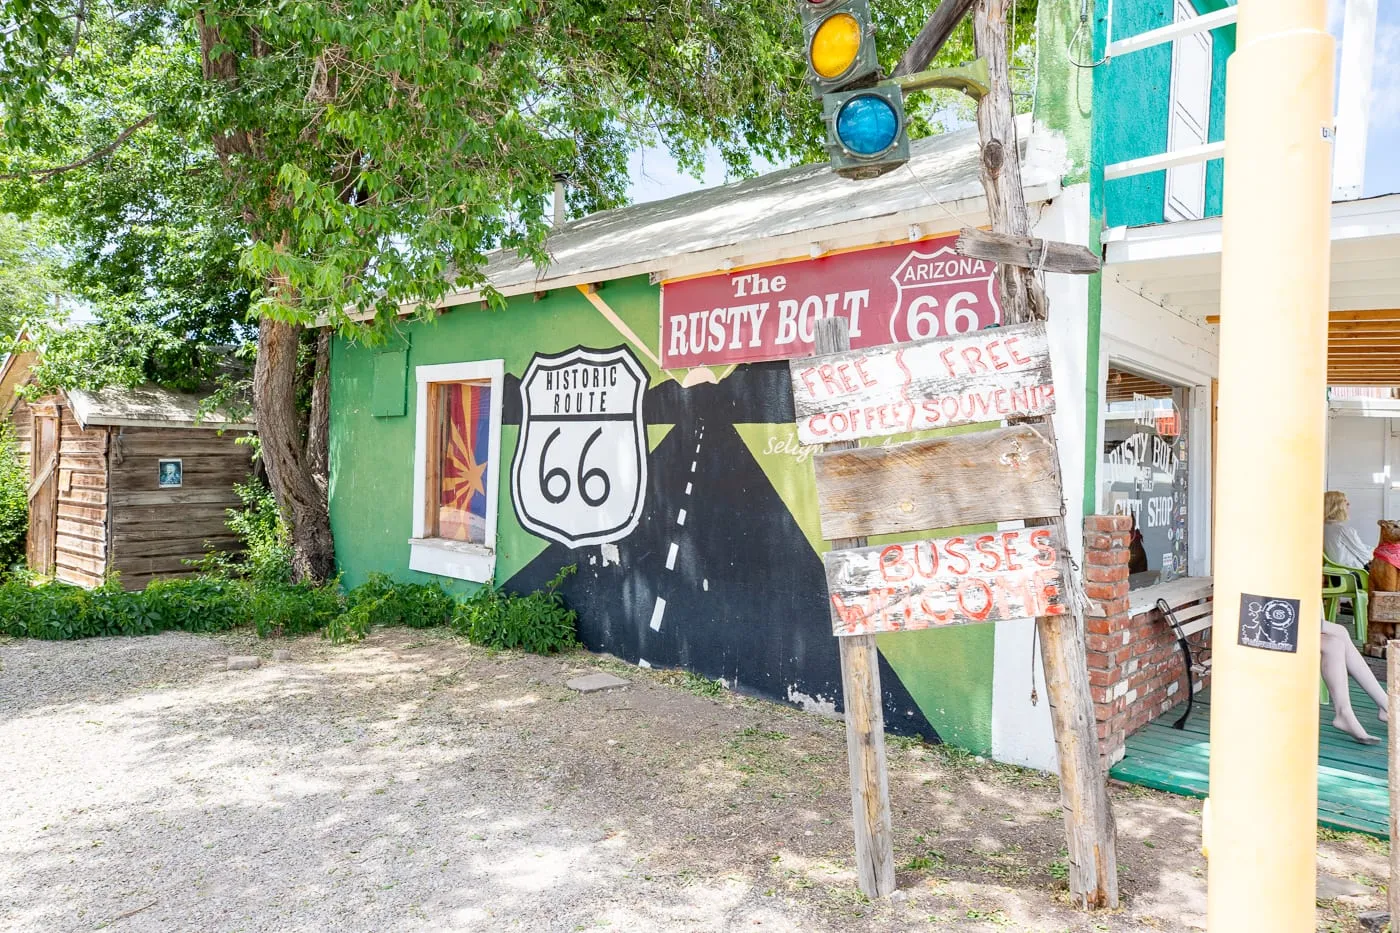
x,y
580,465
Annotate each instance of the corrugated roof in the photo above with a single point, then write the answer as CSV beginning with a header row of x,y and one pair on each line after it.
x,y
941,173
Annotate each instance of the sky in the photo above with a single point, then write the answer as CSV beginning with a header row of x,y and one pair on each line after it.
x,y
654,174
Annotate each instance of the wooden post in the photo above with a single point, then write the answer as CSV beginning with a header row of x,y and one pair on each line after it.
x,y
865,715
1392,690
1089,828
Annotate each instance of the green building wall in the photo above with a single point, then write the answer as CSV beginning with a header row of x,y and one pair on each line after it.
x,y
1131,104
755,612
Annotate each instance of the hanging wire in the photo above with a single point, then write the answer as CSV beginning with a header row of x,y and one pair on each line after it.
x,y
1082,33
1035,635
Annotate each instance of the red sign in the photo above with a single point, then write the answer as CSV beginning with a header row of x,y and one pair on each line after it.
x,y
890,294
948,581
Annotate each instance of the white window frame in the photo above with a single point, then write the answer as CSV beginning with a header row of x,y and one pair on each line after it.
x,y
458,559
1199,491
1187,204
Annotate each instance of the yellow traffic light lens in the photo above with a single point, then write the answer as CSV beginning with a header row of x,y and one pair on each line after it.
x,y
835,45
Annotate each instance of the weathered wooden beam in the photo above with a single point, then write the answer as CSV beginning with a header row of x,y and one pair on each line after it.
x,y
935,34
992,577
1007,474
1088,815
938,382
864,710
1027,252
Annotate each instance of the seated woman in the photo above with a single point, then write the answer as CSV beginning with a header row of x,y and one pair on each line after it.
x,y
1340,659
1340,542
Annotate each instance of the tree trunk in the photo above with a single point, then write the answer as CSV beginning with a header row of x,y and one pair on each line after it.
x,y
318,425
289,469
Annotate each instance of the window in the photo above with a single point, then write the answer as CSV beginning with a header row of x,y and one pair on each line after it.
x,y
456,464
1188,123
1144,472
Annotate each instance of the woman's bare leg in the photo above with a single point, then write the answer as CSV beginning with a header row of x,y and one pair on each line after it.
x,y
1361,672
1335,642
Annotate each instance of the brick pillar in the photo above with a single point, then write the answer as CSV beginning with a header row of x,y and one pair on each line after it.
x,y
1106,627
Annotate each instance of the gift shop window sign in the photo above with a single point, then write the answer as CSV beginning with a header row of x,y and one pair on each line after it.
x,y
1144,472
890,294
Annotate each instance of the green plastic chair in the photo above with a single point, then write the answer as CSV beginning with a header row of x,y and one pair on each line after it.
x,y
1342,582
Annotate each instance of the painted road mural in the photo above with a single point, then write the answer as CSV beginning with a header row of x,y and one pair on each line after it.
x,y
682,496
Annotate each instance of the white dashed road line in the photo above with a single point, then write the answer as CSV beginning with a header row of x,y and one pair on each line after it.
x,y
680,517
693,464
687,488
671,556
657,613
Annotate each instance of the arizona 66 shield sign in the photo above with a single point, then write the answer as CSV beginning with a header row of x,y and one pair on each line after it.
x,y
580,470
890,294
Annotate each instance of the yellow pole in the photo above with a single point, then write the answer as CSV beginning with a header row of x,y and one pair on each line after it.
x,y
1262,829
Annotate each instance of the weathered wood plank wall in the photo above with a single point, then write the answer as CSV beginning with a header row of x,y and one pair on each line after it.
x,y
155,531
80,547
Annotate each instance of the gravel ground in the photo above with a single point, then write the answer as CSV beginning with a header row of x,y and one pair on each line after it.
x,y
414,783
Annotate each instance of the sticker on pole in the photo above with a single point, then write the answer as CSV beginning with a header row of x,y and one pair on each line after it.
x,y
580,471
1268,622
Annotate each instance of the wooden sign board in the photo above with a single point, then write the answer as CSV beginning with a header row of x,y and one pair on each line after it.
x,y
1004,474
987,375
993,577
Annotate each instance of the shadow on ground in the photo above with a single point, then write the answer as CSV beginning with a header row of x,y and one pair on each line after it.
x,y
415,783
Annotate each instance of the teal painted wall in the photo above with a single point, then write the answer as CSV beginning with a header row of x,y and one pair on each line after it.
x,y
746,600
1131,99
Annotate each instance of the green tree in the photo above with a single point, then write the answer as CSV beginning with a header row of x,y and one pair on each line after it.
x,y
358,154
28,276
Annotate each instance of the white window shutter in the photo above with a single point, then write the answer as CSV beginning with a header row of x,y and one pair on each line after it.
x,y
1189,118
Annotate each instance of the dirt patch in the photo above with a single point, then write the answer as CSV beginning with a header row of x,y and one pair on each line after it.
x,y
415,783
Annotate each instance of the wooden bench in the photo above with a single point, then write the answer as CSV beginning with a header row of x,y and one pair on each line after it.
x,y
1188,606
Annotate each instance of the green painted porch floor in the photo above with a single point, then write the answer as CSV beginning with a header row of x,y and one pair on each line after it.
x,y
1351,778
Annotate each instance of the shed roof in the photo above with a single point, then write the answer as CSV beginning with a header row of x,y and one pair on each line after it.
x,y
149,406
784,214
146,405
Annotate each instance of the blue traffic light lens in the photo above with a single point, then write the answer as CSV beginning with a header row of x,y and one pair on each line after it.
x,y
867,125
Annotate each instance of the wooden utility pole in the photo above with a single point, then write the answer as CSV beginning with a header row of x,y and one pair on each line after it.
x,y
1089,827
865,711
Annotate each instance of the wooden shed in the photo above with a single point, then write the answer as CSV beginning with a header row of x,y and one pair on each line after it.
x,y
126,480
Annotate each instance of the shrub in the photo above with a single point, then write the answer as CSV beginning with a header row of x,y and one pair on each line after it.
x,y
267,542
291,608
381,601
14,501
539,622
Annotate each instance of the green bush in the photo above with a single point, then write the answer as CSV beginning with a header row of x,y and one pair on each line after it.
x,y
381,601
267,543
538,622
214,602
14,501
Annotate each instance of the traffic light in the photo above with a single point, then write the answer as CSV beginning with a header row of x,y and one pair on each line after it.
x,y
865,131
840,41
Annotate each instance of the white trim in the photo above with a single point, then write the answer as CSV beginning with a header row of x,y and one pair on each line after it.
x,y
1188,117
1199,494
1358,55
1177,30
454,558
1157,163
1364,407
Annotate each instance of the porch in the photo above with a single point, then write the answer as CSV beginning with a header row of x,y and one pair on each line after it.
x,y
1351,778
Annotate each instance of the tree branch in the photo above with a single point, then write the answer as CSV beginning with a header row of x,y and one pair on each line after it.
x,y
931,38
88,159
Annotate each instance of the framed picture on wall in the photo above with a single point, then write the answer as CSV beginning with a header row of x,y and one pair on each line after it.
x,y
170,474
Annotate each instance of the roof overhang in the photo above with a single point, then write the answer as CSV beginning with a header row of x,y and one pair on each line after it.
x,y
1178,266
